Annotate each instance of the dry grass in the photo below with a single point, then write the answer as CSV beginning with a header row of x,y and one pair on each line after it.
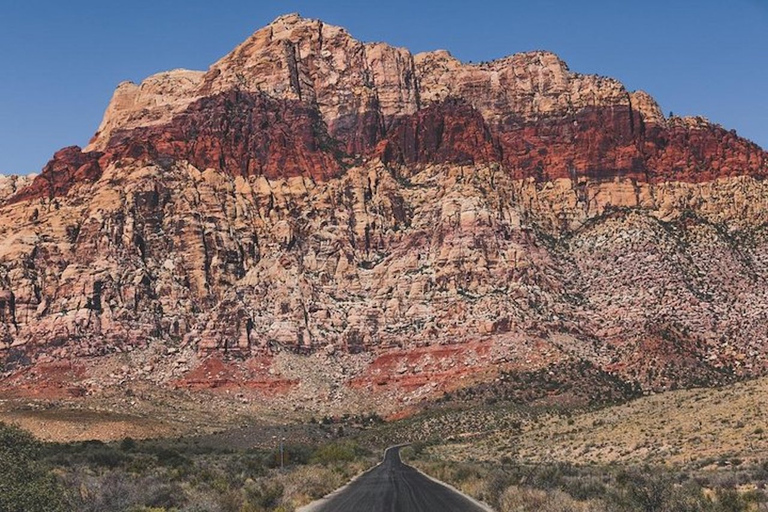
x,y
522,499
561,487
306,484
501,489
679,427
83,425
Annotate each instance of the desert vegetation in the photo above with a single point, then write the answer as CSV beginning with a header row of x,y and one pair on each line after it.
x,y
706,452
186,475
180,475
511,486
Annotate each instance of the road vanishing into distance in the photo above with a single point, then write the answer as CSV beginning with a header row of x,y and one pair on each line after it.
x,y
394,487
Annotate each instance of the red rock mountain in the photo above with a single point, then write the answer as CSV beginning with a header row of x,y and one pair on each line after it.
x,y
318,219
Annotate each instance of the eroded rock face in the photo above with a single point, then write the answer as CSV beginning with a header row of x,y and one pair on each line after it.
x,y
69,167
547,121
245,134
446,132
10,185
154,101
405,224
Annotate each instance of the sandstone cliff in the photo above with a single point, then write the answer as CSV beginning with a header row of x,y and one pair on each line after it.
x,y
320,217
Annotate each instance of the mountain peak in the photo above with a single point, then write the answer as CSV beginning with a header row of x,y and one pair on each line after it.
x,y
288,19
360,89
292,20
311,193
294,28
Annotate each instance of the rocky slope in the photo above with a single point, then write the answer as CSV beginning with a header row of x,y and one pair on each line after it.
x,y
321,219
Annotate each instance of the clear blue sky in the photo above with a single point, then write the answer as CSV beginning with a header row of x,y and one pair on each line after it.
x,y
62,60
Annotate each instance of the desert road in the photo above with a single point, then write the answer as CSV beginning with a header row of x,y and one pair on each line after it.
x,y
394,487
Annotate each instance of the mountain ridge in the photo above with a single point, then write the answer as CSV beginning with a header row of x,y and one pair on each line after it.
x,y
320,222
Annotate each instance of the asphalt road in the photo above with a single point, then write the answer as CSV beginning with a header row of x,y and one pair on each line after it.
x,y
394,487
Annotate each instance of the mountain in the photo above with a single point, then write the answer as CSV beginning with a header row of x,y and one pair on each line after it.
x,y
316,220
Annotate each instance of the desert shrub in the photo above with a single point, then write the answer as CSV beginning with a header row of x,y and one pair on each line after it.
x,y
230,501
166,496
295,454
646,491
300,453
652,490
585,488
25,484
521,499
417,448
755,499
308,483
105,456
335,452
113,491
120,491
140,464
128,444
170,457
248,465
729,500
493,486
266,495
550,476
92,453
689,498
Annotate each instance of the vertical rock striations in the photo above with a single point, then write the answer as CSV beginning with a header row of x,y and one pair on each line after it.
x,y
414,222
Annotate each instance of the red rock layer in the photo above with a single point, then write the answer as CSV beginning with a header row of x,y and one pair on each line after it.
x,y
699,154
615,141
241,134
68,167
600,143
359,134
448,132
252,134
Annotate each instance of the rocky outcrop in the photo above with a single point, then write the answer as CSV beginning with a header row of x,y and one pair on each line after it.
x,y
356,222
447,132
245,134
547,121
69,167
154,101
10,185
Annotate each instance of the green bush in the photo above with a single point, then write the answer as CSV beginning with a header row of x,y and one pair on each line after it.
x,y
654,490
335,452
729,500
265,496
25,484
105,456
128,444
171,458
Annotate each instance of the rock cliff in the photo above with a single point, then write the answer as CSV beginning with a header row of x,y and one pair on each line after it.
x,y
321,219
